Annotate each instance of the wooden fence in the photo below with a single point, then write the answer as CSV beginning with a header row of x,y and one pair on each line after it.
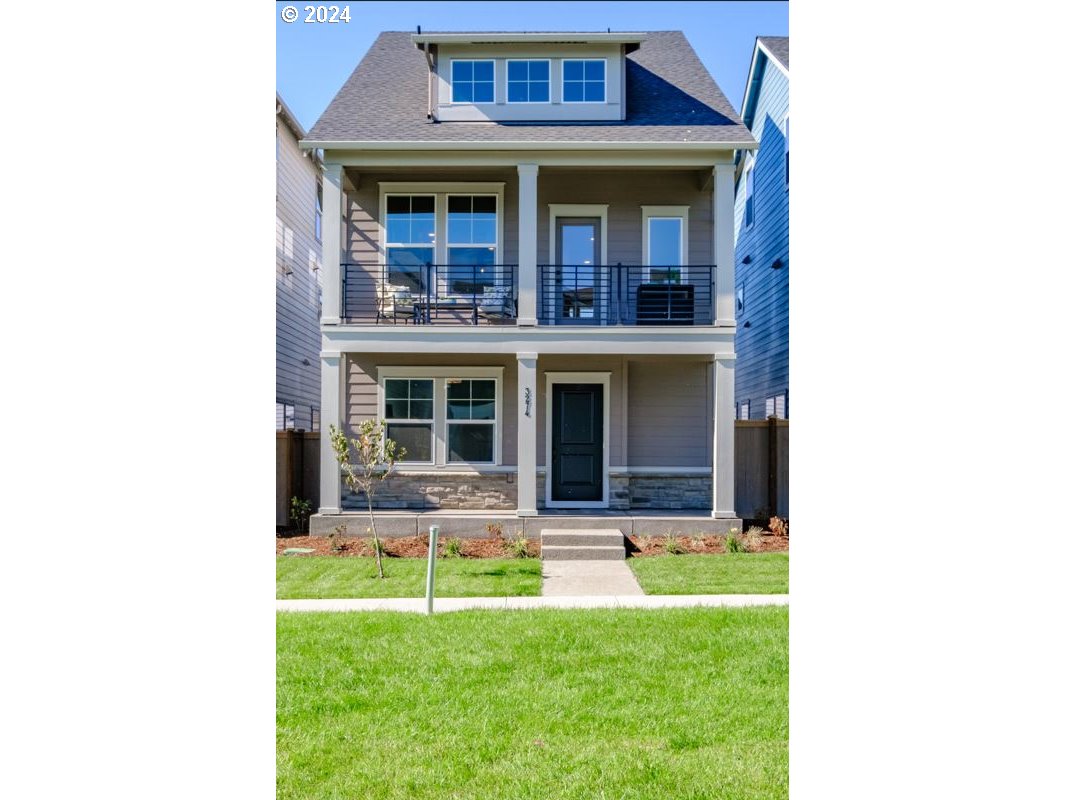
x,y
762,468
296,457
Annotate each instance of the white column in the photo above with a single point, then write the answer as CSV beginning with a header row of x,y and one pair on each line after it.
x,y
329,496
527,434
723,245
332,246
722,473
527,244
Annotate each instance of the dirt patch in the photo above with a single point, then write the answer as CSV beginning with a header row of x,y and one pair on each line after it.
x,y
637,546
398,547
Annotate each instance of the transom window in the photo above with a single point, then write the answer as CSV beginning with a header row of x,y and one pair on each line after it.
x,y
409,417
471,242
471,420
473,81
583,81
410,236
528,81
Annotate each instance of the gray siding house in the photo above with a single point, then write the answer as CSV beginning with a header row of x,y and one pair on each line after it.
x,y
298,247
762,238
534,280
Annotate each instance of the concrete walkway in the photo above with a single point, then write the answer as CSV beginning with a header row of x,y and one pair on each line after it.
x,y
589,578
442,604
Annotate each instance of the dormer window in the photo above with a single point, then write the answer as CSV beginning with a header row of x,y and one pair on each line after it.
x,y
583,80
474,81
528,81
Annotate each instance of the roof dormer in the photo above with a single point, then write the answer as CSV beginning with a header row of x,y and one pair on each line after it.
x,y
527,77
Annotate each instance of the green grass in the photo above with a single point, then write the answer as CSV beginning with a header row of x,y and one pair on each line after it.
x,y
730,573
501,705
325,576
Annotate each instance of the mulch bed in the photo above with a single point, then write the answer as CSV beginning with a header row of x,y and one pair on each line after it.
x,y
637,546
398,547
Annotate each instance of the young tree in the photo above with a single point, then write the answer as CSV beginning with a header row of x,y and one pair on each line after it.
x,y
377,455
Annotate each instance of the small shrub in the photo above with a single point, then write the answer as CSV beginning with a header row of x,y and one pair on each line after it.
x,y
517,547
752,542
754,530
701,540
453,548
299,511
495,530
733,543
778,526
643,543
672,545
336,545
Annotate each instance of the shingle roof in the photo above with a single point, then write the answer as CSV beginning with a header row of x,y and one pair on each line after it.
x,y
670,97
778,45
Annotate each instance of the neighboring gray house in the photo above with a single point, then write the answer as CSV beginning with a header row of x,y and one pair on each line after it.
x,y
762,238
534,286
299,277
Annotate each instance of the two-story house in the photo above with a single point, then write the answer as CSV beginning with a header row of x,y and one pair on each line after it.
x,y
762,238
298,247
535,283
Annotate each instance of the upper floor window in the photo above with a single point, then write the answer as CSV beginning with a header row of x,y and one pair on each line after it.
x,y
410,235
318,210
665,236
749,194
528,81
740,299
473,81
583,80
471,241
786,152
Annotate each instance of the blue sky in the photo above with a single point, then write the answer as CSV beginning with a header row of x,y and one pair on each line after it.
x,y
314,59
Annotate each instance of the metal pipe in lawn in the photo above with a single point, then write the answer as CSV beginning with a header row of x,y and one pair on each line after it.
x,y
431,568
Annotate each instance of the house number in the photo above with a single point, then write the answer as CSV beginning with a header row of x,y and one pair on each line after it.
x,y
529,401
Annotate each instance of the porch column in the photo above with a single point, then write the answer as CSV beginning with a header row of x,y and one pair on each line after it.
x,y
527,434
722,474
723,245
332,246
329,492
527,244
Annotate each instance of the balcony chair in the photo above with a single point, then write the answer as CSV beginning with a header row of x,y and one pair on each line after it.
x,y
394,302
497,302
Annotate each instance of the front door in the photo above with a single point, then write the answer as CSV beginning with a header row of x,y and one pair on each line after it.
x,y
577,442
579,290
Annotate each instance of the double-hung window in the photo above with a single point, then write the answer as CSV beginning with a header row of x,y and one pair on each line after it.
x,y
473,81
410,236
409,417
528,81
583,80
749,195
472,232
471,420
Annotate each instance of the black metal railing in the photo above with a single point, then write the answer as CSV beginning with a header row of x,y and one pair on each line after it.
x,y
585,294
437,294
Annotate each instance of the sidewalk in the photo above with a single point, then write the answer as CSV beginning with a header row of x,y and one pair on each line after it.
x,y
442,604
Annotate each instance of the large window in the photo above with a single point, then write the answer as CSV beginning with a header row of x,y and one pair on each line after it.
x,y
409,417
471,242
410,236
471,420
583,81
473,81
528,81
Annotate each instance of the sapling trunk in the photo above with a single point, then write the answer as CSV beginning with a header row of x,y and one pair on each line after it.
x,y
374,533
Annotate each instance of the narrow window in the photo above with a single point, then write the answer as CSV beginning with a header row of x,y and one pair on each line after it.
x,y
473,81
740,299
786,152
318,210
745,410
665,249
775,407
583,81
471,242
749,195
409,417
410,234
315,423
471,420
527,81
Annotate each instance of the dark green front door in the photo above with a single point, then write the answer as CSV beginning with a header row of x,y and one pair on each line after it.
x,y
577,442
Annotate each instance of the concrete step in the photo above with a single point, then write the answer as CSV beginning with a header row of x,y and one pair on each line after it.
x,y
573,536
584,552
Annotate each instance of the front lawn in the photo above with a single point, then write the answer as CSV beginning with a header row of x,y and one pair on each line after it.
x,y
730,573
571,705
327,577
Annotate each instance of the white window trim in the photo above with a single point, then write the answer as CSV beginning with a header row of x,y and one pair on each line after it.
x,y
749,191
550,379
741,300
562,84
507,83
649,213
451,81
786,132
440,412
576,210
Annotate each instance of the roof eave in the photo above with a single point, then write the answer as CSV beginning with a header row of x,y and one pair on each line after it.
x,y
325,144
509,38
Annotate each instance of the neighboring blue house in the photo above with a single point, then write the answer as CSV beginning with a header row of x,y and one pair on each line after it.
x,y
761,235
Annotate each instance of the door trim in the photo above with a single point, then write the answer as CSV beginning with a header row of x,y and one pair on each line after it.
x,y
550,379
572,210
